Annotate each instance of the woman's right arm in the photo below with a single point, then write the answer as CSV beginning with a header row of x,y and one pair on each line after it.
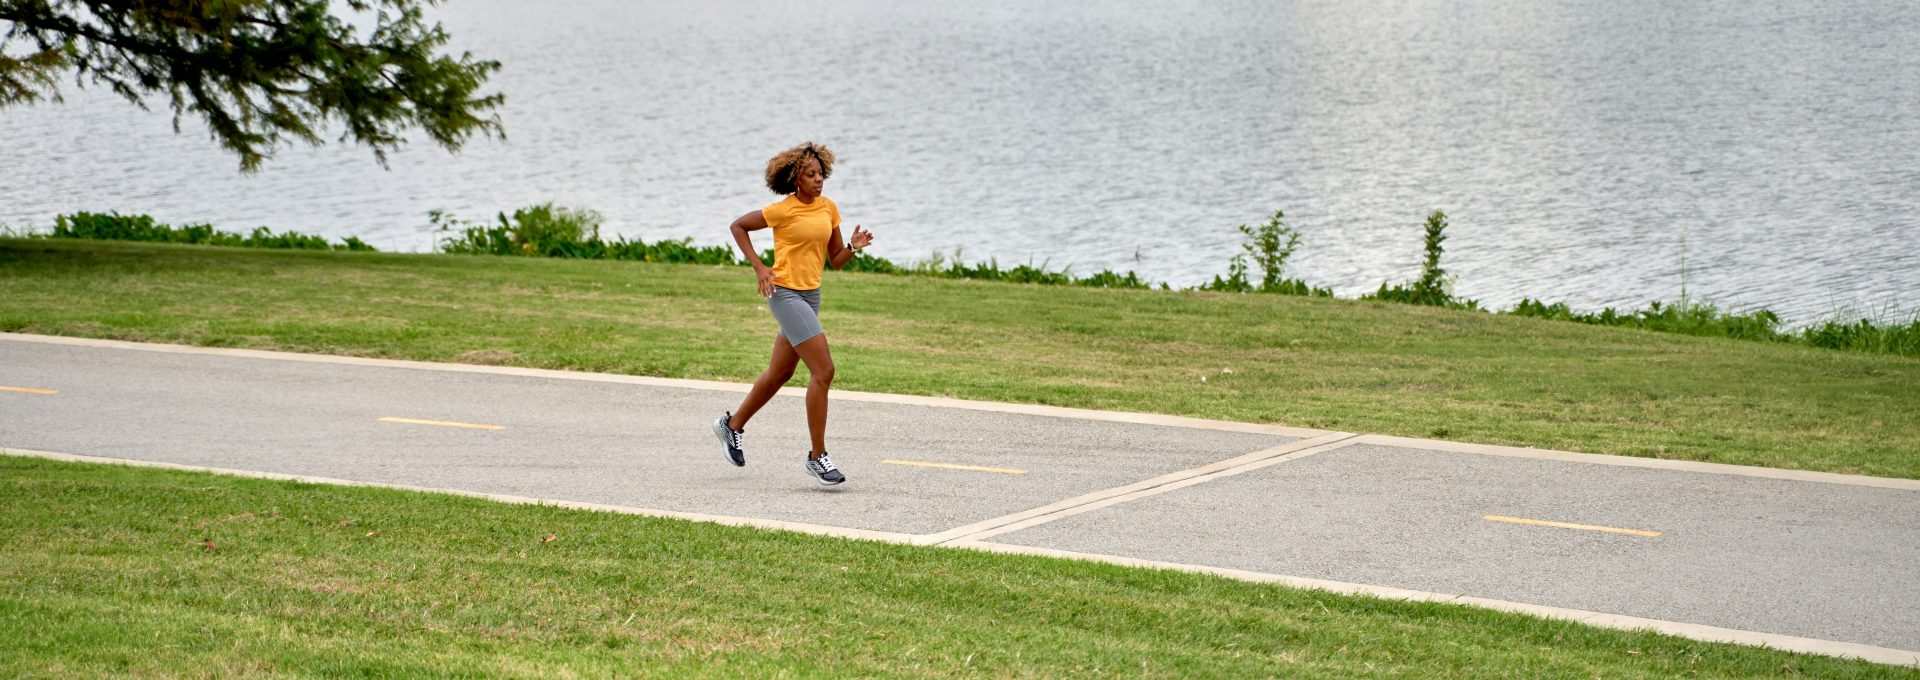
x,y
754,221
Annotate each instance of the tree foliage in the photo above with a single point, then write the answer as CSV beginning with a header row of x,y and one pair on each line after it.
x,y
260,72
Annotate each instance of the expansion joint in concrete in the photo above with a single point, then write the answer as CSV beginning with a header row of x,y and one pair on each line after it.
x,y
1157,485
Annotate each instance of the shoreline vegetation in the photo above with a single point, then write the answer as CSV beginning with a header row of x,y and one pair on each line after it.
x,y
546,230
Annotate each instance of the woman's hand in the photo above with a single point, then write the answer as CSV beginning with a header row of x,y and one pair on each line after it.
x,y
767,279
753,221
861,238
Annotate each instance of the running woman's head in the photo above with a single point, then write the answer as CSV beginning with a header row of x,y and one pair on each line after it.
x,y
801,170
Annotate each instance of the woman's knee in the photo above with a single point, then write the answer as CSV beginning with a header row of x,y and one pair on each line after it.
x,y
823,373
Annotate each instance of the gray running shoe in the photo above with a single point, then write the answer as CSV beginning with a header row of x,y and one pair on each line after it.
x,y
730,438
823,470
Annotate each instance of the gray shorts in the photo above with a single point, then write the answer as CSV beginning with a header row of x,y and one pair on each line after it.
x,y
798,312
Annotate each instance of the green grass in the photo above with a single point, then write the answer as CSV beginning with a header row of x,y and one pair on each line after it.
x,y
1312,362
106,571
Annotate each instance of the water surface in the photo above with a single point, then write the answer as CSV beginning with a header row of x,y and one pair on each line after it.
x,y
1597,152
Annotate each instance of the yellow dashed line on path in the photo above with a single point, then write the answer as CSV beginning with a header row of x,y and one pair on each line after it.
x,y
1565,525
28,390
443,423
948,466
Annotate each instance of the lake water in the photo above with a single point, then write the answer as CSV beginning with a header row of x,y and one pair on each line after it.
x,y
1589,151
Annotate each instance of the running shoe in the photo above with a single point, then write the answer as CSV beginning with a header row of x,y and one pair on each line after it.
x,y
730,438
823,470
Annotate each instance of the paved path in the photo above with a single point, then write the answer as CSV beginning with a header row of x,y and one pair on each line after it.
x,y
1808,561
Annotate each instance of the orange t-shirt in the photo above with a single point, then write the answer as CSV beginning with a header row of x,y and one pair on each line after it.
x,y
800,233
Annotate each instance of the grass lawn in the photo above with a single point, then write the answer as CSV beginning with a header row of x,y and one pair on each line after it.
x,y
1334,364
133,572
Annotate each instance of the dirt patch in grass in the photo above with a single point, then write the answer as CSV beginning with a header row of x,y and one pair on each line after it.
x,y
489,357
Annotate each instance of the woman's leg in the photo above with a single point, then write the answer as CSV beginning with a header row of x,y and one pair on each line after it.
x,y
820,368
779,371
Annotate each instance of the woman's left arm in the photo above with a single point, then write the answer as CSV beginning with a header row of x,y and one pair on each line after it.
x,y
839,254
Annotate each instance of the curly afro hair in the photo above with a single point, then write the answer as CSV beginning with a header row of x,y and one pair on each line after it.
x,y
786,165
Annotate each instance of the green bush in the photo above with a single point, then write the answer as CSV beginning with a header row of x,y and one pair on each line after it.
x,y
1434,287
1864,335
1699,318
1686,317
863,262
118,227
538,231
1107,278
1269,246
548,231
942,265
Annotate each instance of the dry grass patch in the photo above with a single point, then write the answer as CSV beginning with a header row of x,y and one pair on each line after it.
x,y
489,357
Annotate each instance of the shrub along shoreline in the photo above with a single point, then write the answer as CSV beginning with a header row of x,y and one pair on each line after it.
x,y
546,230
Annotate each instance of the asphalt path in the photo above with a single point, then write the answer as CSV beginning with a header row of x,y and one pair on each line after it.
x,y
1825,557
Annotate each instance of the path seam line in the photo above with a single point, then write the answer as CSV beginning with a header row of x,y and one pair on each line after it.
x,y
952,466
1569,525
1120,494
440,423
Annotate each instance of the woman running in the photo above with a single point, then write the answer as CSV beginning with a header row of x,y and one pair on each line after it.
x,y
806,236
